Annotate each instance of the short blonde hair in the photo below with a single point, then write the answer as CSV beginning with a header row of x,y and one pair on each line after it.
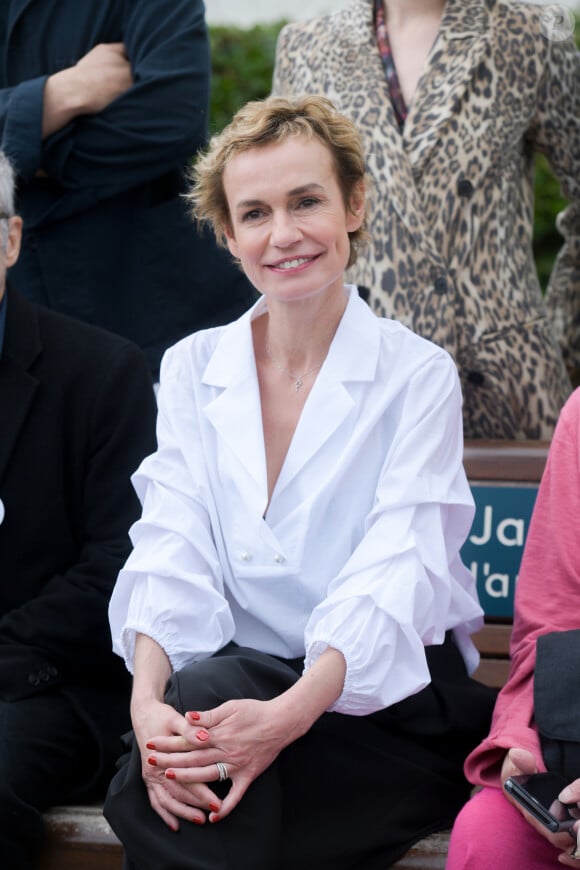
x,y
262,122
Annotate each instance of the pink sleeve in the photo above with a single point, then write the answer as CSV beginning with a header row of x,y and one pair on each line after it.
x,y
546,597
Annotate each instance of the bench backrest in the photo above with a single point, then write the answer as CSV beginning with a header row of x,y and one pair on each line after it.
x,y
504,477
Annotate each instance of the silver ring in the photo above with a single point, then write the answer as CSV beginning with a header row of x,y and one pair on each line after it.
x,y
222,770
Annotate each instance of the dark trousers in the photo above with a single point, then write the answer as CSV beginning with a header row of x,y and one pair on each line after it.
x,y
48,756
354,792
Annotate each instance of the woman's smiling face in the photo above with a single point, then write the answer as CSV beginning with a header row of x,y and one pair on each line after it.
x,y
289,224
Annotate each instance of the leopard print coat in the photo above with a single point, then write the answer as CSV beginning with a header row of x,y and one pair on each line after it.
x,y
452,198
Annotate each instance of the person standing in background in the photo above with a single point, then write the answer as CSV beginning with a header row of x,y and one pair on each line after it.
x,y
102,105
453,99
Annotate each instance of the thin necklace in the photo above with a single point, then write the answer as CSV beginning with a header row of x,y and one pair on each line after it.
x,y
298,379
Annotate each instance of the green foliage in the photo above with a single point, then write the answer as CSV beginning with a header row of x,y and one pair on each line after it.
x,y
242,66
549,202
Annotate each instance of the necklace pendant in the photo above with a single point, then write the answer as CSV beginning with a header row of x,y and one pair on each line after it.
x,y
298,384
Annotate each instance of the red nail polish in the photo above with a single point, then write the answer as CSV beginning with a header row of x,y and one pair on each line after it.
x,y
152,760
215,819
214,808
193,715
150,746
170,774
197,821
202,735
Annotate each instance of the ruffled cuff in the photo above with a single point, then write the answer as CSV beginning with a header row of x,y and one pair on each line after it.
x,y
168,641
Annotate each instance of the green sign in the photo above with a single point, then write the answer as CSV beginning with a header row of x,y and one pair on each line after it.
x,y
495,545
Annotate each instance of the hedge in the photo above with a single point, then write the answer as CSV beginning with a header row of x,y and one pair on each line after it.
x,y
242,64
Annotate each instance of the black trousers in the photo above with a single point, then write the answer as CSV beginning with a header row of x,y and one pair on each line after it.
x,y
48,756
354,792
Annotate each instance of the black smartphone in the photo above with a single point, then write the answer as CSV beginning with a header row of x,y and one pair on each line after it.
x,y
538,794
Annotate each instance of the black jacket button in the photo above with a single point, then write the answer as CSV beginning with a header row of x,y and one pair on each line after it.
x,y
476,378
465,188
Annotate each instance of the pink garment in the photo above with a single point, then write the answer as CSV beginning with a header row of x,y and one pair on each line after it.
x,y
547,598
490,832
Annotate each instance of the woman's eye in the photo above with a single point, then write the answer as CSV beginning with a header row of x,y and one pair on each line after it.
x,y
308,202
253,215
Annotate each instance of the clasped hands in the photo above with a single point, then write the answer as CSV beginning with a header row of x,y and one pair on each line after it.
x,y
179,755
520,761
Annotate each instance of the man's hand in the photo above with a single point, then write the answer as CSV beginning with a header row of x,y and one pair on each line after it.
x,y
88,87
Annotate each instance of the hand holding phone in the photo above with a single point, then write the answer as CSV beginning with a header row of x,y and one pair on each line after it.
x,y
538,794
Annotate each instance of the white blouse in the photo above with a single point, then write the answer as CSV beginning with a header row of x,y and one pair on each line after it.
x,y
359,547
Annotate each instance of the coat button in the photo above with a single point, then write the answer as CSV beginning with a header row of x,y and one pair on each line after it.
x,y
440,286
34,679
476,378
245,557
278,559
364,293
2,511
465,188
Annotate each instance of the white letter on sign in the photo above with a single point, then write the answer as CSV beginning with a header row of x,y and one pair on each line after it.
x,y
487,522
517,538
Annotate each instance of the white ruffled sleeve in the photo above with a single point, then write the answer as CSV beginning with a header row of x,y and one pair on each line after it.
x,y
405,585
171,587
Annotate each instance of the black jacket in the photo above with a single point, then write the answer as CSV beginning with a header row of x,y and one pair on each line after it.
x,y
77,415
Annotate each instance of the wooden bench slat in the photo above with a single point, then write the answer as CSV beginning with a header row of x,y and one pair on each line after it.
x,y
428,854
492,672
493,642
511,461
494,639
79,837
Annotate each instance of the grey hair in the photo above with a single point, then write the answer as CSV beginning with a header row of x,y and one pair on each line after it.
x,y
7,184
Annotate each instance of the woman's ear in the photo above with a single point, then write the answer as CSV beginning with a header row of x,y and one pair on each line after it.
x,y
357,207
231,240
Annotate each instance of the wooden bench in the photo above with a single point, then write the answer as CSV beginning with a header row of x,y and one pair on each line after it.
x,y
79,837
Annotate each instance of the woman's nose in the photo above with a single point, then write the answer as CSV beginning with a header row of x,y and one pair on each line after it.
x,y
284,231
